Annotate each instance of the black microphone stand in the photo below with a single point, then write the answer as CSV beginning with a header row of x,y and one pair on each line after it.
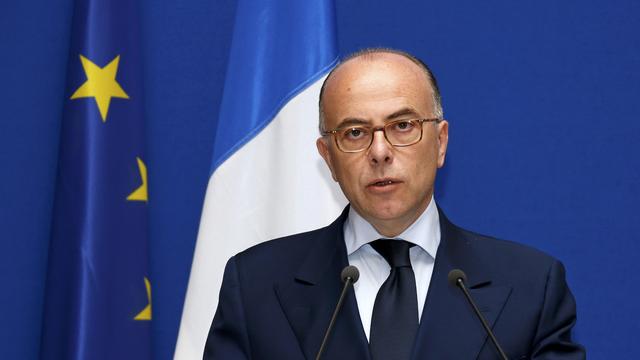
x,y
349,275
459,281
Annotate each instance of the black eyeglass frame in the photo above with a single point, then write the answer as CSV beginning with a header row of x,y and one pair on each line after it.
x,y
384,132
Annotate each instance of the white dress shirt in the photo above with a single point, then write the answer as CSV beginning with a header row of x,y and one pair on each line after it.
x,y
374,269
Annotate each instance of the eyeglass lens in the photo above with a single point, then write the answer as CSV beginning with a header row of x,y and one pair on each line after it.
x,y
398,133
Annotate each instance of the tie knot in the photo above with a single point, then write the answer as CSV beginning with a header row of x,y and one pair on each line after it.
x,y
396,252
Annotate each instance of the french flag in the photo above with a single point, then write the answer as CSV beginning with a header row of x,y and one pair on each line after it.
x,y
267,179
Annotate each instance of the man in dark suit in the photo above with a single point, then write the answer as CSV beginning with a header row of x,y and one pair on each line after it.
x,y
383,138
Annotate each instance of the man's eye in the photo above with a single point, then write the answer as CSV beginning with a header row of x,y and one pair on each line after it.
x,y
403,125
354,133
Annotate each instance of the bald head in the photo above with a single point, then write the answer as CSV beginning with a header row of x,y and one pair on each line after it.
x,y
381,58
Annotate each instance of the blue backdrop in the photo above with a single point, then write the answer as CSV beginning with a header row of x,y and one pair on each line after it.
x,y
543,103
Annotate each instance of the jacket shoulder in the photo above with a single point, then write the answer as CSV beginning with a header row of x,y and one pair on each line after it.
x,y
281,248
495,258
291,250
503,247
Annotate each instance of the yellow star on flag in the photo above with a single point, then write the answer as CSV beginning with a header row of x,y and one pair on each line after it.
x,y
145,314
140,194
101,84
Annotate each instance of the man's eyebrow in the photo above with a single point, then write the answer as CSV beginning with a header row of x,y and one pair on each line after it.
x,y
352,121
402,112
358,121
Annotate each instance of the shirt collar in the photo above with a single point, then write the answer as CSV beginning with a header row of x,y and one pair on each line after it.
x,y
424,232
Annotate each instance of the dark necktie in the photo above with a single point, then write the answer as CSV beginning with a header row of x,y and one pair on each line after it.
x,y
394,322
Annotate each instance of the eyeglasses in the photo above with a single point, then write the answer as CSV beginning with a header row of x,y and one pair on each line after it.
x,y
352,139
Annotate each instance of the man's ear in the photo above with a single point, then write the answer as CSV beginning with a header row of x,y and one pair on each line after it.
x,y
443,141
323,150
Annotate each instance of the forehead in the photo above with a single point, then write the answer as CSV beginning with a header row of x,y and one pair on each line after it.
x,y
376,85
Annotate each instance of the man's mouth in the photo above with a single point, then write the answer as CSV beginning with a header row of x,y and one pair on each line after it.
x,y
383,183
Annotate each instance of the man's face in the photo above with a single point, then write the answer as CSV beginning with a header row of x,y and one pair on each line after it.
x,y
389,186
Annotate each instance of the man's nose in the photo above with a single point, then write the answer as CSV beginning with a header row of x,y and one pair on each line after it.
x,y
380,150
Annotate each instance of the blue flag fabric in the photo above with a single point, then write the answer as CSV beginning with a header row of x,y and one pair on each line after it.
x,y
98,293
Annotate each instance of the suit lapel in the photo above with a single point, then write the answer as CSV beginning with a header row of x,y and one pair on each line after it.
x,y
309,299
448,328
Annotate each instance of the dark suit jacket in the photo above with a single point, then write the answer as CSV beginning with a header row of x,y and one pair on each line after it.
x,y
277,299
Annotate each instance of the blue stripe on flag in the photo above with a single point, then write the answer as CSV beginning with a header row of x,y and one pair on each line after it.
x,y
278,49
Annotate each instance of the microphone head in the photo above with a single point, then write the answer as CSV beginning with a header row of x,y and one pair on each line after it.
x,y
456,274
350,272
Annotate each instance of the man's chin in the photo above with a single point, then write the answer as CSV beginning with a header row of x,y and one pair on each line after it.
x,y
386,214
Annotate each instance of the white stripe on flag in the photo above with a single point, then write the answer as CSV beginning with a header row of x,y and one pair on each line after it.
x,y
275,185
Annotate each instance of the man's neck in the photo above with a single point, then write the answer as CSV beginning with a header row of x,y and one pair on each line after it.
x,y
424,231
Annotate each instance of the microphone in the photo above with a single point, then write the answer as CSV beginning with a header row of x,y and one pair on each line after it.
x,y
349,276
457,278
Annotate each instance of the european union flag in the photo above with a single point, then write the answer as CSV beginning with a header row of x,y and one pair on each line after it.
x,y
98,293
